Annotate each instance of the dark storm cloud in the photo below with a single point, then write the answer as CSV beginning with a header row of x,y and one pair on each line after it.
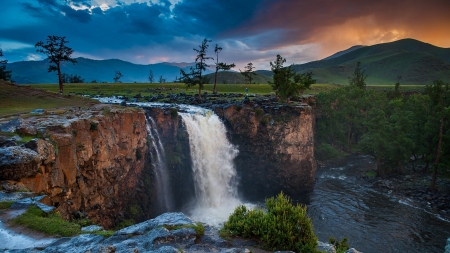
x,y
252,30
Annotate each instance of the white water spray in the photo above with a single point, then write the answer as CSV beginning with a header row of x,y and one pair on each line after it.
x,y
164,194
214,173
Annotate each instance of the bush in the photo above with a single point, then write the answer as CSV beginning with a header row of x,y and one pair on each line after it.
x,y
341,246
325,151
283,226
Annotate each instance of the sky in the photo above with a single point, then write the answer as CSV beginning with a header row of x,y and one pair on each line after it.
x,y
152,31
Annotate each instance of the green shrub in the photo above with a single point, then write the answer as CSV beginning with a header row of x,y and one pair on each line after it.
x,y
258,112
173,113
325,151
94,126
371,173
341,246
283,226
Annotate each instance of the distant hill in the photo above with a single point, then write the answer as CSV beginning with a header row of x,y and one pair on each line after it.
x,y
32,72
231,77
417,62
343,52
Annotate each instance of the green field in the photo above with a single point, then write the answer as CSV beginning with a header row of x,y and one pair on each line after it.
x,y
16,99
150,89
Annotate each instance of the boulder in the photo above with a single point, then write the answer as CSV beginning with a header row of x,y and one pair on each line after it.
x,y
18,162
11,125
326,247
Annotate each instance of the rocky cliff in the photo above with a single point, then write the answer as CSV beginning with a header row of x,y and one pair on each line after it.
x,y
276,146
88,162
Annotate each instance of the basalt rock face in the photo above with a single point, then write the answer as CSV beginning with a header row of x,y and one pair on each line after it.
x,y
175,140
88,161
276,147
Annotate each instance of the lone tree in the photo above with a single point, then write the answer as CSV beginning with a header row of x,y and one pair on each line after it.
x,y
117,76
287,83
194,77
277,67
220,66
151,76
162,79
4,74
248,73
57,52
358,77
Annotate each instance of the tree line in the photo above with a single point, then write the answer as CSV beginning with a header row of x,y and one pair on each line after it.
x,y
395,128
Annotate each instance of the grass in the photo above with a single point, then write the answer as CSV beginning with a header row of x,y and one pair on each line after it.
x,y
15,99
6,204
198,227
52,223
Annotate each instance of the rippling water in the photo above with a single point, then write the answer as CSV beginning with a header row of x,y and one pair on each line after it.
x,y
341,205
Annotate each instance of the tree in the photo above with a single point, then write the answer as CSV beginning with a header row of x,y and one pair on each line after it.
x,y
117,76
57,52
161,79
194,77
358,78
440,108
276,67
66,78
287,83
4,74
220,66
151,76
248,73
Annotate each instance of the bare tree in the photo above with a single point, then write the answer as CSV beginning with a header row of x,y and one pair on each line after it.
x,y
117,76
151,76
57,52
220,66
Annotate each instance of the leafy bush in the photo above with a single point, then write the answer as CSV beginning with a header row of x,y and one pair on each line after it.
x,y
325,152
341,246
283,226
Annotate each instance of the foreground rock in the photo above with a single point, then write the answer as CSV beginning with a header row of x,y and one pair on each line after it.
x,y
148,236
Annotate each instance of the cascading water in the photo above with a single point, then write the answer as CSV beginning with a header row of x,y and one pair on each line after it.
x,y
214,173
164,194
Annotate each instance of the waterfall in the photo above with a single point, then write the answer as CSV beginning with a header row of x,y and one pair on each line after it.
x,y
213,169
164,194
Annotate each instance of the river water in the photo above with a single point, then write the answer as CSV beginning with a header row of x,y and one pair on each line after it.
x,y
343,205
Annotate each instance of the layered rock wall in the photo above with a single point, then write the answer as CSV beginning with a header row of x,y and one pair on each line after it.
x,y
276,147
91,161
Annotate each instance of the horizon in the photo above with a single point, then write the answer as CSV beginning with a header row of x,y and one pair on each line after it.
x,y
155,31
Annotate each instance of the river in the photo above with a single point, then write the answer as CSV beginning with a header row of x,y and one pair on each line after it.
x,y
343,205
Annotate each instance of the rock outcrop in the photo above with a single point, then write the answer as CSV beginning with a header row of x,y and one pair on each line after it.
x,y
88,162
276,147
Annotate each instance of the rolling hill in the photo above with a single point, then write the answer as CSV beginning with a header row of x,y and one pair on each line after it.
x,y
417,62
32,72
230,77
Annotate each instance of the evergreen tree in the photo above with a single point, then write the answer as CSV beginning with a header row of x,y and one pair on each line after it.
x,y
358,78
4,74
248,73
194,77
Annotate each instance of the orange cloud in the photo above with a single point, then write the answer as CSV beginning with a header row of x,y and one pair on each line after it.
x,y
338,25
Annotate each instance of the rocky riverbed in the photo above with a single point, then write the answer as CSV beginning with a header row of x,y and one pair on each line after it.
x,y
413,189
